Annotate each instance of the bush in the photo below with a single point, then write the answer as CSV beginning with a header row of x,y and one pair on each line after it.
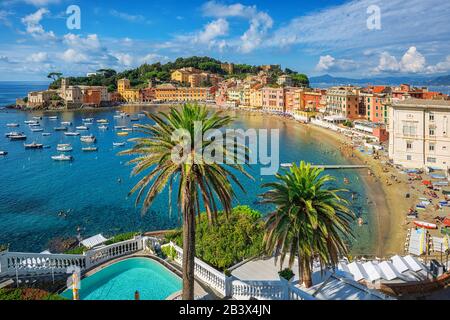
x,y
27,294
3,247
230,241
169,252
77,250
121,237
287,274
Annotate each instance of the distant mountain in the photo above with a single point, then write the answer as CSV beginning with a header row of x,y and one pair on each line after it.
x,y
414,80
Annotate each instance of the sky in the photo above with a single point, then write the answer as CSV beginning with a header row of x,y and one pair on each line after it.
x,y
360,38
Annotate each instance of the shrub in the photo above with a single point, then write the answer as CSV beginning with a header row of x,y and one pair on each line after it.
x,y
121,237
232,240
287,274
169,252
77,250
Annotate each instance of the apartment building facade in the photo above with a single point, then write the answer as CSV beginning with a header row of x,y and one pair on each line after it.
x,y
273,99
419,134
343,101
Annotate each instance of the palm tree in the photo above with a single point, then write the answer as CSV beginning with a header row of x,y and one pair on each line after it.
x,y
198,183
310,220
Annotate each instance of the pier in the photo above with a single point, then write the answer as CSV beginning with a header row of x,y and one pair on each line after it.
x,y
332,166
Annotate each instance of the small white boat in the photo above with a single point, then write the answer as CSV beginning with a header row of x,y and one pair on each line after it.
x,y
37,118
88,139
82,128
88,120
30,121
127,129
71,134
53,118
62,157
33,145
66,123
119,144
14,133
3,153
103,128
117,117
61,129
34,124
18,137
46,134
37,130
90,149
12,125
119,127
64,148
426,225
141,115
104,121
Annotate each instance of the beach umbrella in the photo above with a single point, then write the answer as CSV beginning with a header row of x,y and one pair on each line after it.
x,y
446,222
426,183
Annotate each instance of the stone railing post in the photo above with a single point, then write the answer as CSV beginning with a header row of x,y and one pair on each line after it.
x,y
228,286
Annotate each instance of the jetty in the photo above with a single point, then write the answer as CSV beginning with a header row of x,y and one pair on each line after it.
x,y
332,166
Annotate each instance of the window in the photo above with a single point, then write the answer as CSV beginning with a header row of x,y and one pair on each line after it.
x,y
409,145
409,158
431,160
432,133
431,147
409,128
431,117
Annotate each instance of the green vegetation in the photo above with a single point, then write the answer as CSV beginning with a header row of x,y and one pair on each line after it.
x,y
169,252
27,294
310,221
348,123
3,247
77,250
230,241
287,274
206,183
159,73
121,237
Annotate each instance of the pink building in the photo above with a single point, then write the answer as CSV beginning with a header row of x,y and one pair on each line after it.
x,y
273,99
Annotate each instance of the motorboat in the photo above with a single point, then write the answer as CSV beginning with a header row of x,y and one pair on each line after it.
x,y
122,134
53,118
426,225
30,121
90,149
37,118
37,130
34,124
103,128
66,123
62,157
119,127
33,145
82,128
61,129
3,153
103,121
46,134
64,148
119,144
71,134
141,115
88,139
14,133
127,129
134,119
12,125
20,136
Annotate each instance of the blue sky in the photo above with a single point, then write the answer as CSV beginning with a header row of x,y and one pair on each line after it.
x,y
315,37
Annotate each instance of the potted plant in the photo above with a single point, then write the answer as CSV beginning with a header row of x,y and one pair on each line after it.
x,y
286,274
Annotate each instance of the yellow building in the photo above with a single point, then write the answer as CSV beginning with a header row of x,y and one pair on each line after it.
x,y
170,93
256,98
127,94
181,76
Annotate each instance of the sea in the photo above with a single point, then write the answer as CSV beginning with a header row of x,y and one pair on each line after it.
x,y
93,190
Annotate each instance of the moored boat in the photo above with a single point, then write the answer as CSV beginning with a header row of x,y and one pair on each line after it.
x,y
119,127
103,121
66,123
18,137
134,119
61,129
34,124
12,125
426,225
122,134
3,153
64,148
103,128
88,120
14,133
90,149
46,134
33,145
53,118
71,134
62,157
82,128
119,144
88,139
30,121
37,130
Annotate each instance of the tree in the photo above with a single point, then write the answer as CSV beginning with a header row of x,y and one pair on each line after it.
x,y
198,182
310,221
54,75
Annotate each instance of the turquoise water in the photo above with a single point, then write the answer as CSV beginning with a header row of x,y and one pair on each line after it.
x,y
34,189
121,280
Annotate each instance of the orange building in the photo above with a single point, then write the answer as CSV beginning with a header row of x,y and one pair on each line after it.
x,y
92,97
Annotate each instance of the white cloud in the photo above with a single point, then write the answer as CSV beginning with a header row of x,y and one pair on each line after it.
x,y
34,27
329,63
4,59
411,62
440,67
129,17
91,42
124,59
38,57
4,17
213,30
38,3
74,56
153,58
260,22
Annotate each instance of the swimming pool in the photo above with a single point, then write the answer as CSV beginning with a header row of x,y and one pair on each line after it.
x,y
121,280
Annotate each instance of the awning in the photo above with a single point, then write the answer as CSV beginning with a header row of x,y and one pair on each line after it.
x,y
94,241
426,183
446,222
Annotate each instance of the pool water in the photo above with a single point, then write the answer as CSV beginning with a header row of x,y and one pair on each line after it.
x,y
121,280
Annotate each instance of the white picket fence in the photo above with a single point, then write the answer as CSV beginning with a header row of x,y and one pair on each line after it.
x,y
242,290
34,264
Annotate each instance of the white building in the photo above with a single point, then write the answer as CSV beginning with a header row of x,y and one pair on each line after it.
x,y
419,133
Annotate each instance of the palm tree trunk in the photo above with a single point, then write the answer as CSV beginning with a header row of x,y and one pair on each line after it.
x,y
188,249
306,273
